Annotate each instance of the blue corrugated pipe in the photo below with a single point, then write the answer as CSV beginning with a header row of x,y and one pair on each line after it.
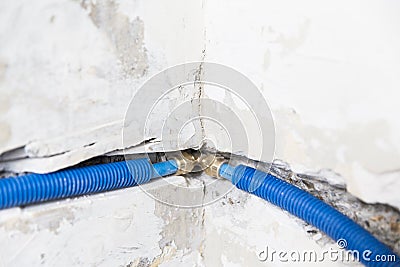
x,y
312,210
33,188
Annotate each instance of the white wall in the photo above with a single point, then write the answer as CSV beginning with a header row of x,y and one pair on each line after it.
x,y
330,72
68,70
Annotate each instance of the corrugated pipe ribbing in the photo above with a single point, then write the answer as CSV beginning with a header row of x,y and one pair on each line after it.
x,y
312,210
34,188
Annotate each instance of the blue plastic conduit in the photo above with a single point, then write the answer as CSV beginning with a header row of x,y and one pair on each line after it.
x,y
312,210
33,188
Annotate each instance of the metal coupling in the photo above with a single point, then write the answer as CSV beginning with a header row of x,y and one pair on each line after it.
x,y
214,167
184,165
196,161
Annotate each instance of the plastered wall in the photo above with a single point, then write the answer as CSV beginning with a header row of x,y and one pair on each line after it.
x,y
329,71
69,69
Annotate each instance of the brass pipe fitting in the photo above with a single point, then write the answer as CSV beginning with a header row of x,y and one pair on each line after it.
x,y
184,165
191,162
213,169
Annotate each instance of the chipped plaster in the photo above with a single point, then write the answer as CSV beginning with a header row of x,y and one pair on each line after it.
x,y
332,81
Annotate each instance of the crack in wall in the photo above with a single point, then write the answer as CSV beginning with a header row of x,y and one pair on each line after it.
x,y
198,94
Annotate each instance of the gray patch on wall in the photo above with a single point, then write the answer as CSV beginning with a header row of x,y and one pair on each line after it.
x,y
182,226
126,36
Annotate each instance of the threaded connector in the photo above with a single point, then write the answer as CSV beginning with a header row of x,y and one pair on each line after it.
x,y
184,163
213,169
189,161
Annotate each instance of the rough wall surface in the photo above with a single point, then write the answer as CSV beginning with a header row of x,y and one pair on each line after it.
x,y
69,68
331,83
128,228
330,72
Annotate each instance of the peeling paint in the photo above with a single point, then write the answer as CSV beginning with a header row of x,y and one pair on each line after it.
x,y
340,150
